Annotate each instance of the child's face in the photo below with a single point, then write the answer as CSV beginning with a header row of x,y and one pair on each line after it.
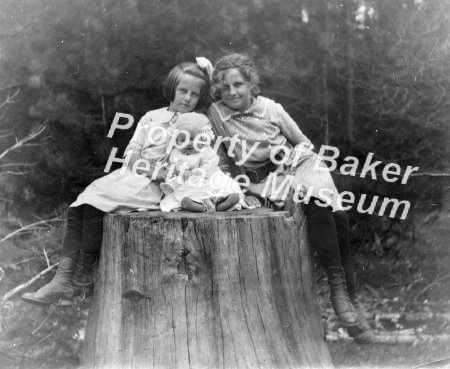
x,y
236,92
188,149
187,94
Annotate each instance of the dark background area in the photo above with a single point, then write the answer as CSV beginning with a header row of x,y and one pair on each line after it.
x,y
363,76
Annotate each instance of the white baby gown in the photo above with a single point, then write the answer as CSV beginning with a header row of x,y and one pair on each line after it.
x,y
206,184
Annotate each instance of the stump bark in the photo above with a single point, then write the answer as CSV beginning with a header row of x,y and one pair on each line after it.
x,y
212,290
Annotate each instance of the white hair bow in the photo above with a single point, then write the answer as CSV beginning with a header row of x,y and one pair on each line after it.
x,y
205,64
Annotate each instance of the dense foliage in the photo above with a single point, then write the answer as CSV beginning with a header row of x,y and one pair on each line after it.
x,y
364,76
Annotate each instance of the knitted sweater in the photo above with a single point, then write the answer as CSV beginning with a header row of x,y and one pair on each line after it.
x,y
265,124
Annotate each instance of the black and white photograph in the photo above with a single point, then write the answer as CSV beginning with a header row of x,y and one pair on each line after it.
x,y
224,184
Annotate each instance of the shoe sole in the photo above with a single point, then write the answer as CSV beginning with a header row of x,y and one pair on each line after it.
x,y
61,302
82,285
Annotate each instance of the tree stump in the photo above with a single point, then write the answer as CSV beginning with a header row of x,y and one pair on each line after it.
x,y
212,290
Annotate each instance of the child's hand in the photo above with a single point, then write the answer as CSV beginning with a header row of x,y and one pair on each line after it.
x,y
186,174
305,149
162,174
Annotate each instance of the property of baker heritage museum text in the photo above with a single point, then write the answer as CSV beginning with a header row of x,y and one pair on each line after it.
x,y
276,186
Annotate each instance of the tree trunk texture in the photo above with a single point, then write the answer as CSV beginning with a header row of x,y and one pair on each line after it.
x,y
212,290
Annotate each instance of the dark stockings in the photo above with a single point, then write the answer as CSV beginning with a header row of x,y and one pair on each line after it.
x,y
329,235
84,230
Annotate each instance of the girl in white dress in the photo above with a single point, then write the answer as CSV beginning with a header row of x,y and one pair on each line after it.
x,y
199,184
186,88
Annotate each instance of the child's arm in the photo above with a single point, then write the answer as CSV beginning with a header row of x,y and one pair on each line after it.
x,y
162,171
209,162
136,145
289,128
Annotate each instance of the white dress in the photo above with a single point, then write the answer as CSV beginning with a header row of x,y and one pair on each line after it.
x,y
206,184
121,190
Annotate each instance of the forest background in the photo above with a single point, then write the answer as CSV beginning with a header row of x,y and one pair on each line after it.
x,y
363,76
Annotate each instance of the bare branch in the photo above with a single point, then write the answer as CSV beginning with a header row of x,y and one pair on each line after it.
x,y
14,265
19,288
430,174
20,143
34,144
18,165
30,227
15,173
6,133
46,257
9,99
44,321
432,284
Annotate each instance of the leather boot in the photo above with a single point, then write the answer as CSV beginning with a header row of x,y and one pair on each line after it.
x,y
85,270
60,288
362,333
339,298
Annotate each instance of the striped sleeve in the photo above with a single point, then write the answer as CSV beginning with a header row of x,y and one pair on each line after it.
x,y
288,127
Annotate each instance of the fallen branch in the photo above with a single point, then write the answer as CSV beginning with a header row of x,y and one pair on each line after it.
x,y
2,275
44,338
411,317
19,288
393,338
45,320
29,227
14,266
432,284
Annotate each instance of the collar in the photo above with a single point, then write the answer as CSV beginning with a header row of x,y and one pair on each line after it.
x,y
162,115
257,109
172,116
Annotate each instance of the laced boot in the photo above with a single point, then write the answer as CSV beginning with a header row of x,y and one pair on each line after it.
x,y
339,298
362,333
85,270
59,289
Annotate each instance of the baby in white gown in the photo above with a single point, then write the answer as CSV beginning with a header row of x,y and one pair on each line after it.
x,y
198,183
